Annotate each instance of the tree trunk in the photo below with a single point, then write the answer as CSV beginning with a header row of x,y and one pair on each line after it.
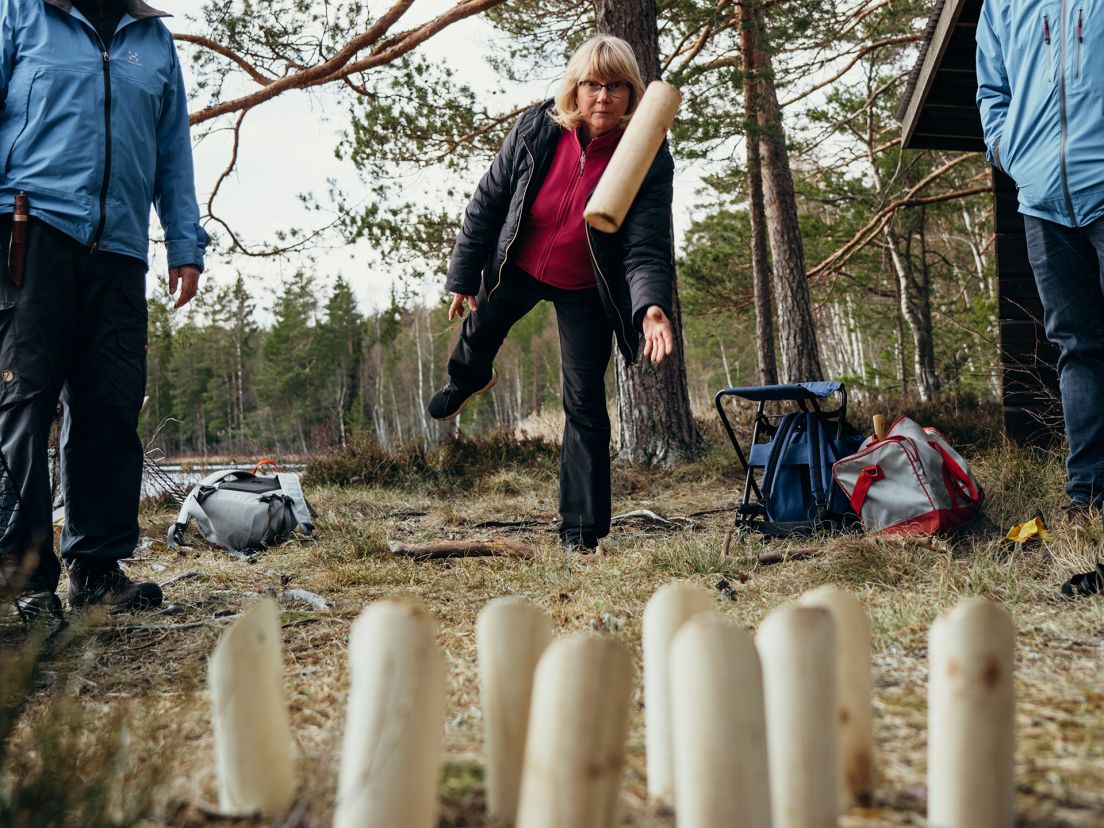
x,y
636,22
927,372
656,425
899,352
760,264
419,396
916,311
797,333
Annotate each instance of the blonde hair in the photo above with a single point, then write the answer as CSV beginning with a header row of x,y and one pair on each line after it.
x,y
605,57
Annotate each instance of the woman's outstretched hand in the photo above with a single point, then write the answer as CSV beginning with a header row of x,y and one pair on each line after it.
x,y
659,337
456,309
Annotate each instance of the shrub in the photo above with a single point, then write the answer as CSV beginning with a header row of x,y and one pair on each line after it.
x,y
457,462
968,422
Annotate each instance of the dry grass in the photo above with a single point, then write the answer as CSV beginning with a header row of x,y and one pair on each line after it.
x,y
154,679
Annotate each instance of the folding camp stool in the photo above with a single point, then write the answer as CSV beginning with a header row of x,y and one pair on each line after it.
x,y
792,452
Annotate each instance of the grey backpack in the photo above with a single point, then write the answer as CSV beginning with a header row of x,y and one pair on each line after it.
x,y
244,513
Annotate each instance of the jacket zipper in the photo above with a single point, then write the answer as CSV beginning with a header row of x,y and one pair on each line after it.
x,y
609,293
1077,66
561,219
524,192
107,149
1062,115
1050,58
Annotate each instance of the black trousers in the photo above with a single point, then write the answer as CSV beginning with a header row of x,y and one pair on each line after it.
x,y
586,340
75,330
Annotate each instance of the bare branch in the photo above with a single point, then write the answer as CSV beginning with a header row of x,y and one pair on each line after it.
x,y
875,225
866,50
341,65
237,242
216,47
491,124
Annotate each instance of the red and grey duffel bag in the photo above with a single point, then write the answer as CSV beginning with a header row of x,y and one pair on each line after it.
x,y
910,481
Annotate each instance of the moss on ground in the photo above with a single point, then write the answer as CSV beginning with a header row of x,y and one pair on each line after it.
x,y
153,679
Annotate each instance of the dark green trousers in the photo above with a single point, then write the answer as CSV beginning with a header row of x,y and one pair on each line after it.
x,y
74,331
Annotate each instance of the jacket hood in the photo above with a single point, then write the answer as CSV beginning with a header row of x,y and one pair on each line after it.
x,y
137,9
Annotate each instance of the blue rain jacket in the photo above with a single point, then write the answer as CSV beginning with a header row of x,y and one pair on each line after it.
x,y
1040,70
95,139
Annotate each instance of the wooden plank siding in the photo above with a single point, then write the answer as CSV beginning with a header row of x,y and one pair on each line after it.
x,y
948,56
939,112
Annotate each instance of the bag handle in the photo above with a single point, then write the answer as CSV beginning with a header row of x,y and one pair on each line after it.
x,y
266,462
867,478
953,474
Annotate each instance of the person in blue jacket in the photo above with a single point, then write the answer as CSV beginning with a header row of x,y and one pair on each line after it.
x,y
1040,69
93,131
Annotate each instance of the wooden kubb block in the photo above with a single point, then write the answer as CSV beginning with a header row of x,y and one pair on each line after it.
x,y
511,635
391,759
671,607
718,726
578,726
971,718
797,647
253,747
854,693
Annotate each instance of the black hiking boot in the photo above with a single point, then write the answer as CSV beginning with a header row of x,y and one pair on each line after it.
x,y
1079,513
450,400
36,606
104,582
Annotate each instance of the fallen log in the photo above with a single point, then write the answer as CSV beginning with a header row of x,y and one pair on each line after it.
x,y
461,549
798,554
505,524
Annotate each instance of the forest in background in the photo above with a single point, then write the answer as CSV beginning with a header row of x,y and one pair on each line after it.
x,y
896,248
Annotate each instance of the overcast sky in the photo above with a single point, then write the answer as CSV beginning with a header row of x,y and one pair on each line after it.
x,y
287,148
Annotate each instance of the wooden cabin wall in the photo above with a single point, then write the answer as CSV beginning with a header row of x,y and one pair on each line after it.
x,y
1032,403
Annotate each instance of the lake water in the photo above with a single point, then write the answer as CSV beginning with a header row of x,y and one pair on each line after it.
x,y
188,475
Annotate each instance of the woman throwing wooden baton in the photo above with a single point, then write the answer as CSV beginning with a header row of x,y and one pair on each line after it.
x,y
524,240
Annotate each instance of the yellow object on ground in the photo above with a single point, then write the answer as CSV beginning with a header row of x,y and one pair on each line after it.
x,y
1034,529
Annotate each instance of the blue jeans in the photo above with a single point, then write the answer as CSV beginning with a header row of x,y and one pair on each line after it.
x,y
1069,269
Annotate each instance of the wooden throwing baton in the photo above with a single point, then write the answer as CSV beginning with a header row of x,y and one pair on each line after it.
x,y
17,249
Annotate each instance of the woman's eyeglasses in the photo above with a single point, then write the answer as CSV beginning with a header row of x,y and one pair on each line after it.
x,y
616,89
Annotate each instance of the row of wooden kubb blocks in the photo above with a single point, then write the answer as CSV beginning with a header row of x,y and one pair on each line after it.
x,y
773,731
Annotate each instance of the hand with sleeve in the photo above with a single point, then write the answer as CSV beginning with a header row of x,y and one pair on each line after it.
x,y
659,335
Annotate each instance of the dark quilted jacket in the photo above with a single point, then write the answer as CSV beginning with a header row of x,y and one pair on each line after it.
x,y
633,268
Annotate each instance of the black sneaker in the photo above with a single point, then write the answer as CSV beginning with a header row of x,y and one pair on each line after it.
x,y
38,605
576,544
1087,583
97,582
450,400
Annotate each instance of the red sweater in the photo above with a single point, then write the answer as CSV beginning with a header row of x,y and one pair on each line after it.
x,y
552,245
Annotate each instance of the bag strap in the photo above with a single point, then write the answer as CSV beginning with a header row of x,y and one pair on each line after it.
x,y
289,482
867,478
216,477
815,433
781,439
192,508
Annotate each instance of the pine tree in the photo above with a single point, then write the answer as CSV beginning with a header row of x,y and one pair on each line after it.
x,y
339,344
288,385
